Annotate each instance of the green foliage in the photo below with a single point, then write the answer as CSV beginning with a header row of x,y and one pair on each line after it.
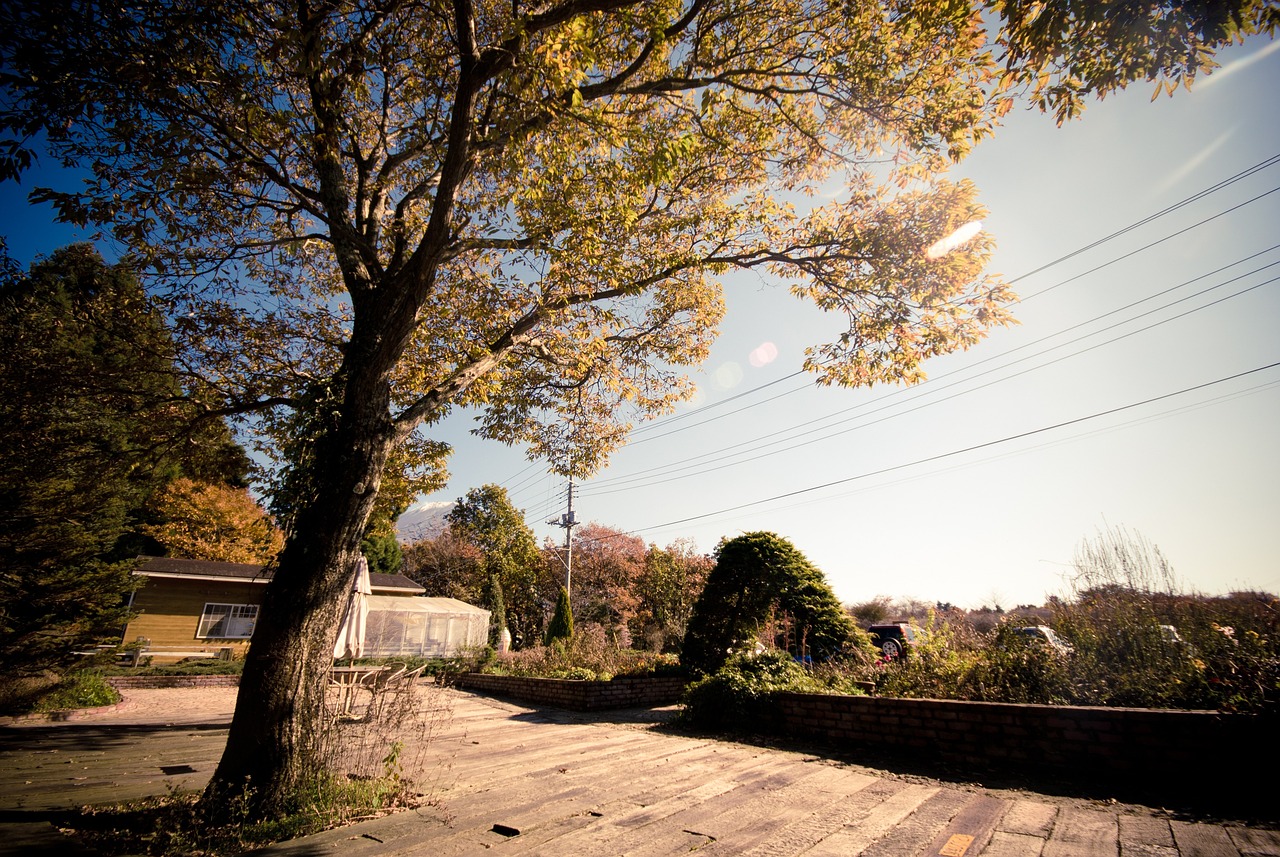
x,y
1226,657
938,664
1241,665
757,577
193,666
738,695
871,612
1015,669
80,689
91,424
509,554
497,604
1226,654
666,591
383,553
588,655
561,626
1065,51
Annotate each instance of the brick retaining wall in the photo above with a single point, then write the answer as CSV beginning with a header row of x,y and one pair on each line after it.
x,y
123,682
621,692
1176,752
1133,744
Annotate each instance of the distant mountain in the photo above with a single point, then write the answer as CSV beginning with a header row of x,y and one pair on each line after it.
x,y
423,521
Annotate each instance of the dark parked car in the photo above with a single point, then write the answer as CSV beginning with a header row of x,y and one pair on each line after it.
x,y
894,638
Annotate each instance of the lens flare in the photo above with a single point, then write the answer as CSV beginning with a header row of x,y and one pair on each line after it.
x,y
763,354
728,376
956,239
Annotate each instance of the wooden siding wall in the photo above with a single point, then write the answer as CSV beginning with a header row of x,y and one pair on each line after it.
x,y
169,611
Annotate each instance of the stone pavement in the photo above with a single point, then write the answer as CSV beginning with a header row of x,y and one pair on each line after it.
x,y
511,779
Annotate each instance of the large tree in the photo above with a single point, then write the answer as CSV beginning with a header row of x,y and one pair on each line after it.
x,y
510,563
375,211
201,520
91,426
447,565
670,585
607,567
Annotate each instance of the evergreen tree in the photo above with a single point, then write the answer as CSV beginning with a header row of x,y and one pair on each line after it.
x,y
497,605
561,627
384,553
91,424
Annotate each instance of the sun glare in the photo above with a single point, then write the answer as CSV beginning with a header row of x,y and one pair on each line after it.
x,y
943,246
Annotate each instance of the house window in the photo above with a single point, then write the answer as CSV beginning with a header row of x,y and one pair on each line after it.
x,y
228,621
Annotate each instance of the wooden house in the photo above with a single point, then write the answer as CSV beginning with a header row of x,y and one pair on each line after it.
x,y
198,608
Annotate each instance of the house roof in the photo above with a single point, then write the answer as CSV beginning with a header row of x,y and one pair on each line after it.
x,y
393,583
435,606
202,569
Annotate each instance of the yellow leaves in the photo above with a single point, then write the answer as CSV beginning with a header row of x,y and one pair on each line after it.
x,y
213,522
868,261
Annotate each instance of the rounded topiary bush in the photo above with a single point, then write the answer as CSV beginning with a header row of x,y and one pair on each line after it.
x,y
758,577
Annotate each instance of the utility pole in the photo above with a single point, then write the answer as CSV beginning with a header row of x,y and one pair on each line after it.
x,y
568,522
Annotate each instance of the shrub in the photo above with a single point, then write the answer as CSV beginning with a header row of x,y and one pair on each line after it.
x,y
83,689
561,627
587,655
759,578
1014,669
938,666
738,695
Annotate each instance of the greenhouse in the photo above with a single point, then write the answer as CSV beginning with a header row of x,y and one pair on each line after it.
x,y
422,627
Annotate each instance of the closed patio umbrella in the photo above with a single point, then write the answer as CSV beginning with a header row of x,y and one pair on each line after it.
x,y
350,642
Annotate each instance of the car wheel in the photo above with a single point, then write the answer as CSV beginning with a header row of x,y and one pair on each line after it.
x,y
891,648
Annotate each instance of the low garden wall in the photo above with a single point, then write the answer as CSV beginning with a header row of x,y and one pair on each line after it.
x,y
1176,749
1138,752
126,682
577,695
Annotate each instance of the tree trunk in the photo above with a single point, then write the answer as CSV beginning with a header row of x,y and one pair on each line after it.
x,y
274,752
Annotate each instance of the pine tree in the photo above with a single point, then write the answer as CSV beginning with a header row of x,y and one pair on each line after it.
x,y
561,627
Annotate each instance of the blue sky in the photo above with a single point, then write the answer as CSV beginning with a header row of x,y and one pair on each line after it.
x,y
961,489
1197,474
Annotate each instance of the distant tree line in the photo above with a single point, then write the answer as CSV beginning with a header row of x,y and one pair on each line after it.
x,y
640,594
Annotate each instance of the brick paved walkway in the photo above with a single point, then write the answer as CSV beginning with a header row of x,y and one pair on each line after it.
x,y
510,779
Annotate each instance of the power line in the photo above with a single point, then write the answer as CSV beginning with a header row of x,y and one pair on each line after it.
x,y
1199,195
650,477
1195,197
1146,247
701,413
968,449
1176,411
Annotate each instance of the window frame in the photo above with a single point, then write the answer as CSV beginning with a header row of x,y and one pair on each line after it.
x,y
232,616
